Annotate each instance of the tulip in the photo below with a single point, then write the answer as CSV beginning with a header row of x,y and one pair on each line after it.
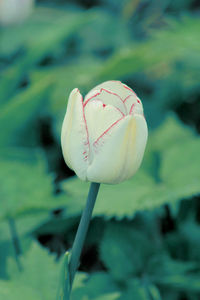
x,y
104,137
14,11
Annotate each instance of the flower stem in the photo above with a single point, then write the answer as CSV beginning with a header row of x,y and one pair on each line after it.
x,y
15,241
82,231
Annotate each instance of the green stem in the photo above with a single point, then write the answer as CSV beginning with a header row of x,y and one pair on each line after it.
x,y
15,241
82,231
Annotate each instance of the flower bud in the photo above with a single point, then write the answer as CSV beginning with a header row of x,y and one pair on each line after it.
x,y
104,137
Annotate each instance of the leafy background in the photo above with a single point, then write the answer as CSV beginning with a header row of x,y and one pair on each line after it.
x,y
144,238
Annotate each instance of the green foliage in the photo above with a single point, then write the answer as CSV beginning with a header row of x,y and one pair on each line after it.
x,y
39,276
130,257
98,286
64,289
24,111
25,189
155,56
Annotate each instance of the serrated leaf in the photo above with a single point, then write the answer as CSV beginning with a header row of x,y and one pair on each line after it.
x,y
39,278
45,281
26,188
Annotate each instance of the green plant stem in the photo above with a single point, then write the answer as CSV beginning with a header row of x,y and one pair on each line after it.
x,y
15,241
82,231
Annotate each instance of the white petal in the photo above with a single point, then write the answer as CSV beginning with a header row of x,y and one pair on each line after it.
x,y
136,146
99,118
107,97
74,135
121,89
119,151
131,101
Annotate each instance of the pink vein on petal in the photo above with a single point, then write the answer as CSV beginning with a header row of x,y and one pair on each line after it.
x,y
97,94
112,93
127,98
120,111
128,88
107,130
132,106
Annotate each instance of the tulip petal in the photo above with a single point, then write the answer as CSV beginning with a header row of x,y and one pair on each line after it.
x,y
74,135
119,88
133,101
108,97
119,151
99,117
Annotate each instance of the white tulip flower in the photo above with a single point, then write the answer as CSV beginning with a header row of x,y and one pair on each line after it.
x,y
15,11
104,137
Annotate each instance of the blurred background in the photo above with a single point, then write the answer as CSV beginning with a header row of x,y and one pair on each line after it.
x,y
144,238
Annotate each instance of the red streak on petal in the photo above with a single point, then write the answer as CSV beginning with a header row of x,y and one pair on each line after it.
x,y
98,93
127,98
132,106
104,105
120,111
112,93
138,101
128,88
106,131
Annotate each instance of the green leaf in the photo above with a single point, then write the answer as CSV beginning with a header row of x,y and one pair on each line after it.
x,y
39,278
26,188
176,274
12,290
64,289
46,38
154,56
19,117
180,169
124,251
113,296
154,292
25,226
134,290
45,281
98,285
171,132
